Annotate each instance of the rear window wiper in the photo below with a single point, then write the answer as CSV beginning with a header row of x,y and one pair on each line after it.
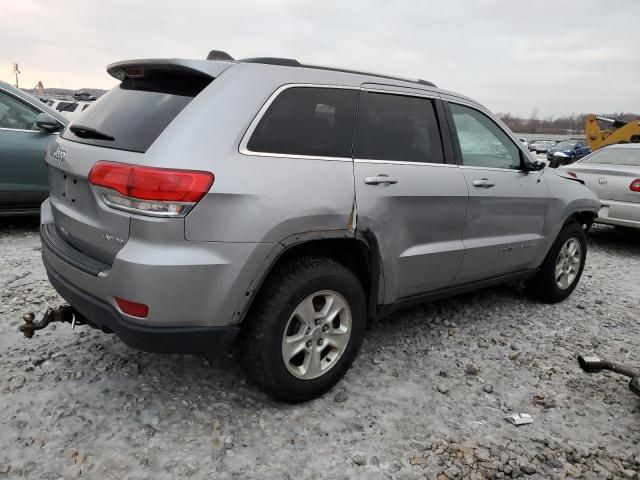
x,y
88,132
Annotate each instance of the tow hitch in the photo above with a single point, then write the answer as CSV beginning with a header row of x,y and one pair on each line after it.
x,y
592,364
64,313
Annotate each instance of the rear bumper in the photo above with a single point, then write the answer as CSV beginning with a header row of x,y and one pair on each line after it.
x,y
103,316
624,214
190,287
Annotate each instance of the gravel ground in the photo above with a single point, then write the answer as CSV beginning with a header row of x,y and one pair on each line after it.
x,y
426,398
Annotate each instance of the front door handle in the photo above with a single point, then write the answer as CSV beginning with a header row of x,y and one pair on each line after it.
x,y
483,183
380,179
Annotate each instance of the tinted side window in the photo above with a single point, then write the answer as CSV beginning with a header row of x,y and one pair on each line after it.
x,y
396,127
482,142
66,106
308,121
15,114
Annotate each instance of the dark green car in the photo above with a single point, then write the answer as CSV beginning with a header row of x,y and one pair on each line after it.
x,y
27,127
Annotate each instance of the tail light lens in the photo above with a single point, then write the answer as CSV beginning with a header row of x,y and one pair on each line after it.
x,y
150,191
635,185
572,174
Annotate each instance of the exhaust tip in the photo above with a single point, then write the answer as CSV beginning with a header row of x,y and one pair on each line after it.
x,y
591,364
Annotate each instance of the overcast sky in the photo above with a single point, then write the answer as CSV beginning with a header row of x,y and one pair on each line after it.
x,y
560,56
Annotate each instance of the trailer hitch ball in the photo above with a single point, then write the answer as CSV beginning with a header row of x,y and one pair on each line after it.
x,y
27,329
63,313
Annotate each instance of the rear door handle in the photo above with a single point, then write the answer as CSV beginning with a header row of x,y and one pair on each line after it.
x,y
483,183
380,179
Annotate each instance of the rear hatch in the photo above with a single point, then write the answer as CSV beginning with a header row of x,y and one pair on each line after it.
x,y
119,127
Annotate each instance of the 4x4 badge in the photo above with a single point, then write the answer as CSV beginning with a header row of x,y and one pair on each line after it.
x,y
58,155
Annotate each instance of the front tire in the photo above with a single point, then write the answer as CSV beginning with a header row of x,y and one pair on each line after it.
x,y
304,329
562,268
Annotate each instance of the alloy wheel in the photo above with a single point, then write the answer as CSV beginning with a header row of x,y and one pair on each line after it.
x,y
568,263
316,335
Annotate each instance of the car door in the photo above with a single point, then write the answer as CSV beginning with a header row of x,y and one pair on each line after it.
x,y
507,204
408,196
23,174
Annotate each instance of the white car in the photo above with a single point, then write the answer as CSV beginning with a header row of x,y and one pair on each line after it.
x,y
524,142
613,173
68,108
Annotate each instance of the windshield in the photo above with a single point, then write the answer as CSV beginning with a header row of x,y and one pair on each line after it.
x,y
615,156
567,144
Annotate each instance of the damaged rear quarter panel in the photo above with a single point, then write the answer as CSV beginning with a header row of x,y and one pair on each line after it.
x,y
288,196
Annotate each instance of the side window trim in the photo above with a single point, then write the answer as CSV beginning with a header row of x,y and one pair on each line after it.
x,y
246,137
456,141
443,128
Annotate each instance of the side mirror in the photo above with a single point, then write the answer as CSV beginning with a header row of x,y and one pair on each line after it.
x,y
536,166
47,123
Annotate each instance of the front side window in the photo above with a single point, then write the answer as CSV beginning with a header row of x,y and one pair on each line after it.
x,y
397,127
308,121
15,114
482,142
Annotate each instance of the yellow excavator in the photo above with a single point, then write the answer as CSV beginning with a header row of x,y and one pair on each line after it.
x,y
617,131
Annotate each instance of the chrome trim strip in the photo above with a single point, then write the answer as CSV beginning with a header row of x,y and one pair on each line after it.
x,y
242,148
396,90
402,162
493,169
22,130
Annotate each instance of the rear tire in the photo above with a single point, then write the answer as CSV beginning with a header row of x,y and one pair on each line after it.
x,y
562,268
304,329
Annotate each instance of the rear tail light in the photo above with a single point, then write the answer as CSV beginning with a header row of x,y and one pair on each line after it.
x,y
132,308
572,174
153,191
635,185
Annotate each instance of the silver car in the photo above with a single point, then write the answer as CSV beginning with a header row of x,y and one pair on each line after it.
x,y
288,206
614,174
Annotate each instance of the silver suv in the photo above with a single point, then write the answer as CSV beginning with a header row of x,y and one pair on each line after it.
x,y
288,206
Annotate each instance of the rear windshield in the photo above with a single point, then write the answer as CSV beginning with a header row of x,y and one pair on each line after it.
x,y
132,115
615,156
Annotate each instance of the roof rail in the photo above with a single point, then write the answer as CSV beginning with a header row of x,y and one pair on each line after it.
x,y
292,62
286,62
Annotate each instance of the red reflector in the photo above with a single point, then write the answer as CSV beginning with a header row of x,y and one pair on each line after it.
x,y
635,185
132,308
149,183
572,174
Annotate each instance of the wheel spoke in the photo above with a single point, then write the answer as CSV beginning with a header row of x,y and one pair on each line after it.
x,y
336,307
293,347
306,312
338,339
315,362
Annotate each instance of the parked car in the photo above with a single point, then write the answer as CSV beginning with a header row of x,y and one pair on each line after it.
x,y
542,146
566,152
614,174
524,142
201,201
27,127
68,108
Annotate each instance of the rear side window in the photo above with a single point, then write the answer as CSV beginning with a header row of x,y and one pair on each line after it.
x,y
615,156
396,127
132,115
308,121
